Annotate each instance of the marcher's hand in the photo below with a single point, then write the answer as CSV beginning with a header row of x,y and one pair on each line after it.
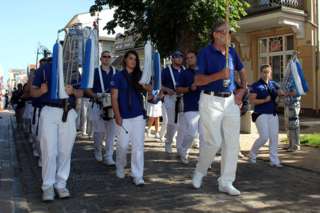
x,y
225,73
238,100
44,88
69,89
118,120
171,92
267,99
281,93
193,87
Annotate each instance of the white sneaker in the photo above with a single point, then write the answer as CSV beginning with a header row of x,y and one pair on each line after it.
x,y
48,194
120,173
277,165
109,162
197,179
184,159
138,181
62,193
35,153
157,135
168,148
229,189
252,161
98,155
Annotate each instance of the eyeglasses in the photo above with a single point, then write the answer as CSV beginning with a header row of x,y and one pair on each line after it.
x,y
224,32
106,56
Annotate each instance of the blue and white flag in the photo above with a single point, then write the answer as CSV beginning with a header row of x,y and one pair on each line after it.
x,y
57,87
91,60
294,73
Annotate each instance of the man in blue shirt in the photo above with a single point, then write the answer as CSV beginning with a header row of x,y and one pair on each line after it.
x,y
103,124
263,94
57,136
219,107
170,77
190,116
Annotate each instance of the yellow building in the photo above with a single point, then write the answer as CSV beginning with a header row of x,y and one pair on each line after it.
x,y
273,31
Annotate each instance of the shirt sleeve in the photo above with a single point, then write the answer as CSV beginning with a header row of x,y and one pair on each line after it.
x,y
38,78
238,64
115,82
253,89
163,77
201,62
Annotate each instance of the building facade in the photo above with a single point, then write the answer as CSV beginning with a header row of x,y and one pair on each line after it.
x,y
15,77
274,31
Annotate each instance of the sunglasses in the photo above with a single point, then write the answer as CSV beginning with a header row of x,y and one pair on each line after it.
x,y
224,31
106,56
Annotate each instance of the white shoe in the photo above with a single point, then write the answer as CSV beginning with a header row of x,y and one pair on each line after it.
x,y
138,181
109,162
62,193
184,159
252,161
48,194
157,135
197,179
98,155
35,153
229,189
120,173
168,148
277,165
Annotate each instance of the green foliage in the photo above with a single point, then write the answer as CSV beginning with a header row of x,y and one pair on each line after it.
x,y
311,139
171,24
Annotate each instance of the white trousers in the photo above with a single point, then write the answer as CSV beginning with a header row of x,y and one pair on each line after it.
x,y
164,123
190,128
172,127
135,127
57,139
268,129
85,124
103,130
219,127
34,128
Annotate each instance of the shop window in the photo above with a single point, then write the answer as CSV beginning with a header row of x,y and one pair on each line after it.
x,y
276,51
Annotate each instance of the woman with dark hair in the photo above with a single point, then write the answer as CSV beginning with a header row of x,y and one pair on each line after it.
x,y
127,104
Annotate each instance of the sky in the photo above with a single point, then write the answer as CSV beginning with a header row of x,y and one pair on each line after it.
x,y
26,23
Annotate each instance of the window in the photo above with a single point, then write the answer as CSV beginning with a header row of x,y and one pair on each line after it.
x,y
276,51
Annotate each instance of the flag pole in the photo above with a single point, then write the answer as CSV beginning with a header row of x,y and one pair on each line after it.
x,y
226,82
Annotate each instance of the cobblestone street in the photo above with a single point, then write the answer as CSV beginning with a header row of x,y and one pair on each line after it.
x,y
95,187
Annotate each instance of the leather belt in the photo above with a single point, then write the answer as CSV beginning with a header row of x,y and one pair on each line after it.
x,y
218,94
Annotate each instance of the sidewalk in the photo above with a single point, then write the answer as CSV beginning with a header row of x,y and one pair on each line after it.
x,y
10,184
308,158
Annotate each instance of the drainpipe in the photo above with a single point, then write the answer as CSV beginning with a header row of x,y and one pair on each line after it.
x,y
317,57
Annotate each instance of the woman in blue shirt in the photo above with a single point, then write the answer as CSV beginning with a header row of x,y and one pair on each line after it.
x,y
263,94
127,104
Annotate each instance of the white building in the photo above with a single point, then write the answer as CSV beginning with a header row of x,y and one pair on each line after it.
x,y
87,20
16,76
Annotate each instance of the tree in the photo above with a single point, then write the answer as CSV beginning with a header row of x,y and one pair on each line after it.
x,y
170,24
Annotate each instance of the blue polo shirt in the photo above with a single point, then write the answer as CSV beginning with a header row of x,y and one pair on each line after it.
x,y
263,90
106,78
166,79
43,76
190,99
126,93
210,60
36,102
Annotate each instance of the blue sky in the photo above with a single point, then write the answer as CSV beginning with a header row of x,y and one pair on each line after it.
x,y
25,23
